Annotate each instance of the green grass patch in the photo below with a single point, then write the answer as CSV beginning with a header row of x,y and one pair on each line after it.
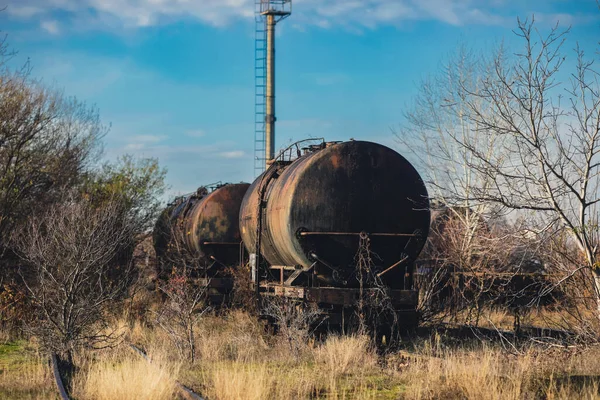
x,y
24,375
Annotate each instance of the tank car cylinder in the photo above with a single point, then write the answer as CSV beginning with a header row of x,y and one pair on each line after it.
x,y
322,201
205,227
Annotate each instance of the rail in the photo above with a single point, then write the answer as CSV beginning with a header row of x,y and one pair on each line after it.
x,y
57,378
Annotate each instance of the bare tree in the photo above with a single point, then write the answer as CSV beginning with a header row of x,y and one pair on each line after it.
x,y
184,306
78,257
295,321
531,141
435,128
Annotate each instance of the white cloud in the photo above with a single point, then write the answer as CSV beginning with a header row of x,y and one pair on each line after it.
x,y
351,14
141,142
24,11
51,27
233,154
134,146
140,13
147,138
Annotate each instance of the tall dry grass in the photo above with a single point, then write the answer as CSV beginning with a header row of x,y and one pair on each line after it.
x,y
241,382
476,375
240,359
343,354
491,372
120,374
236,336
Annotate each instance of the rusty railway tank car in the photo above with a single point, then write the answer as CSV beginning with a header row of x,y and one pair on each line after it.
x,y
201,231
318,225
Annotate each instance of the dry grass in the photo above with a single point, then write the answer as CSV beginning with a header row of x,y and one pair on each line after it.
x,y
467,375
120,374
241,382
237,381
236,336
340,355
480,371
239,359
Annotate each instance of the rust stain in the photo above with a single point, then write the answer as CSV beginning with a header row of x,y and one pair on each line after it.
x,y
335,160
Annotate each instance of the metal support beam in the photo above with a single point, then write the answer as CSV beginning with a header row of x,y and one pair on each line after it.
x,y
357,234
270,92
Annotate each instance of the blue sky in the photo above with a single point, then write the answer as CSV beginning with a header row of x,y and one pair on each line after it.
x,y
174,78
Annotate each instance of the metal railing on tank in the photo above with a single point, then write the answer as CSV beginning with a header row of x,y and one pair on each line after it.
x,y
298,149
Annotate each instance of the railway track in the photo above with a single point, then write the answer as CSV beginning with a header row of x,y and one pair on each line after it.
x,y
62,391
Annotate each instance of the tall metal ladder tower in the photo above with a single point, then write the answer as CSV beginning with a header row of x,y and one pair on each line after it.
x,y
267,14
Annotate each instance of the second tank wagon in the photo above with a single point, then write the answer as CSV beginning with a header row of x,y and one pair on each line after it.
x,y
201,231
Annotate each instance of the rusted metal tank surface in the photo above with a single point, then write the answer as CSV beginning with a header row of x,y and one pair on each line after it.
x,y
315,207
167,227
203,227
